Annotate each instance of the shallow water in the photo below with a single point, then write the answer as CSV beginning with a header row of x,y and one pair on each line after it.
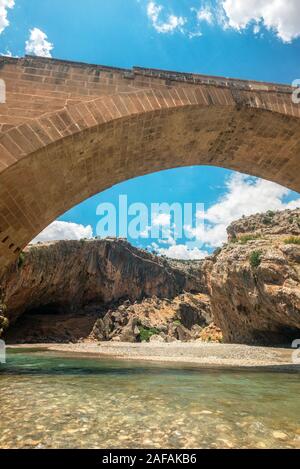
x,y
51,400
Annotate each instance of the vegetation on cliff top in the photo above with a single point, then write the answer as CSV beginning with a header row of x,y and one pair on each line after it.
x,y
292,240
255,259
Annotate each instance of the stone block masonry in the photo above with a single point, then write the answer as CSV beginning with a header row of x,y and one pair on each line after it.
x,y
70,130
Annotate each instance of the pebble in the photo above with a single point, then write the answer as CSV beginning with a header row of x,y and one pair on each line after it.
x,y
280,435
261,445
227,443
223,428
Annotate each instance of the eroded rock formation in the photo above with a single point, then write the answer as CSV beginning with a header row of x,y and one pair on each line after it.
x,y
59,290
108,290
182,318
254,280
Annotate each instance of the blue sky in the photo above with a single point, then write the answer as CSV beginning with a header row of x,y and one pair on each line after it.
x,y
254,39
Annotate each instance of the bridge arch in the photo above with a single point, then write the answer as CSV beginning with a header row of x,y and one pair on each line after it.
x,y
66,142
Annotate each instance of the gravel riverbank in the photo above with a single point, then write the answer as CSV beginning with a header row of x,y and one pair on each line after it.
x,y
206,354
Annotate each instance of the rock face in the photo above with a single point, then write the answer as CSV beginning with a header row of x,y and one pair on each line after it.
x,y
182,318
248,291
59,291
254,280
67,275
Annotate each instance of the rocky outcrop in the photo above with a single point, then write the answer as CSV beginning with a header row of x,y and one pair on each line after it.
x,y
254,280
182,318
247,292
66,276
60,291
286,222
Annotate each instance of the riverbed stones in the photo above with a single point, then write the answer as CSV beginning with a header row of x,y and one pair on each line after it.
x,y
279,435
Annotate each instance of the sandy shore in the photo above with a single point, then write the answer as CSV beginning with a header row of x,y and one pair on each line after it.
x,y
201,354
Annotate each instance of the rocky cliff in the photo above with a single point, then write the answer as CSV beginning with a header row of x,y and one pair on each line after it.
x,y
59,290
109,290
254,280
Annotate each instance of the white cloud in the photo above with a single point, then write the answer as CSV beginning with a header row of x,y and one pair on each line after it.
x,y
170,25
256,28
244,196
38,44
192,34
162,219
60,230
281,16
4,6
181,251
6,54
204,14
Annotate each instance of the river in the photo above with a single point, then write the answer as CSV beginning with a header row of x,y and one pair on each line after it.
x,y
56,400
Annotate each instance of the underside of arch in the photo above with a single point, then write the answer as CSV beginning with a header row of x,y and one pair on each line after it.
x,y
38,188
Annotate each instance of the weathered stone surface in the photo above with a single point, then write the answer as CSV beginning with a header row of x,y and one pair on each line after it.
x,y
67,275
285,222
69,130
128,333
166,319
255,280
108,290
100,290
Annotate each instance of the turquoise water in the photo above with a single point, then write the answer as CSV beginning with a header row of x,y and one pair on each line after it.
x,y
51,400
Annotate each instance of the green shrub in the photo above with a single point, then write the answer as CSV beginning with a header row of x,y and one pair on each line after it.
x,y
270,214
255,259
267,220
21,260
292,240
147,332
245,238
177,322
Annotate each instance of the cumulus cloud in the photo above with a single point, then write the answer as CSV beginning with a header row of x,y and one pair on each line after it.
x,y
171,22
162,219
38,44
60,230
244,196
181,251
4,6
280,16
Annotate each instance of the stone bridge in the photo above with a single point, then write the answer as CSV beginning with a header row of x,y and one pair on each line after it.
x,y
70,130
